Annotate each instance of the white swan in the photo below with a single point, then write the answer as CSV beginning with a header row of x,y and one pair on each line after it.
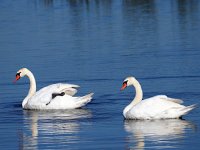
x,y
157,107
55,96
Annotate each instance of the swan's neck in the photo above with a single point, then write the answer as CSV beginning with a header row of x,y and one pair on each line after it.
x,y
32,89
138,96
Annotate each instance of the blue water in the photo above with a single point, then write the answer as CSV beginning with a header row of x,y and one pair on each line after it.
x,y
96,44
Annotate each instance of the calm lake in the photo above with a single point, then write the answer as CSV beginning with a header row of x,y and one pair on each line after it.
x,y
96,44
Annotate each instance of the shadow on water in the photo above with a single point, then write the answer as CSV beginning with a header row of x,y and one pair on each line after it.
x,y
64,125
156,131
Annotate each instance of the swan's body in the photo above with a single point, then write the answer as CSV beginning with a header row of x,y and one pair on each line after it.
x,y
157,107
55,96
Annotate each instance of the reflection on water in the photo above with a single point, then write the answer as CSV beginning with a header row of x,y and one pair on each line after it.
x,y
156,131
63,124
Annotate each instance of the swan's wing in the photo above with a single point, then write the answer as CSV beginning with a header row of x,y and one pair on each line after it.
x,y
154,107
44,95
45,101
69,102
164,97
69,89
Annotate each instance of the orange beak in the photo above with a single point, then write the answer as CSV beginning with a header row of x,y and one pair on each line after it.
x,y
124,86
17,78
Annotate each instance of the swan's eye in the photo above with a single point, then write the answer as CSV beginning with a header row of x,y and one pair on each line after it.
x,y
124,85
18,74
125,82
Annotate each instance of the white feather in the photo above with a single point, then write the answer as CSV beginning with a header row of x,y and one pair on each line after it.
x,y
157,107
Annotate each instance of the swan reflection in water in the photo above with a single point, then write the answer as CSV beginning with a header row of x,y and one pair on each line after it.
x,y
161,133
52,126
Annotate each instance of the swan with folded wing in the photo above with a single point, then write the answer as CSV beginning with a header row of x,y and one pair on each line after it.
x,y
157,107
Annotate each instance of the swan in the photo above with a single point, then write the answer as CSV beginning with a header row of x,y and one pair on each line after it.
x,y
55,96
157,107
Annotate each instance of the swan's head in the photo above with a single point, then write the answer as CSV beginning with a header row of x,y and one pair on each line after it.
x,y
21,73
127,82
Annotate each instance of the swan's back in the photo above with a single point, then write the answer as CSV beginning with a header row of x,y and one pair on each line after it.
x,y
43,98
158,107
68,102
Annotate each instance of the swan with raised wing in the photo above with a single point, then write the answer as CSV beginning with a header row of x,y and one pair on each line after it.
x,y
55,96
157,107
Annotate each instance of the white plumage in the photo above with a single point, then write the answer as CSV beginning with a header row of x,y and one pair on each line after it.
x,y
55,96
157,107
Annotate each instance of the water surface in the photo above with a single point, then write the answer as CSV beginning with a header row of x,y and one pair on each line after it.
x,y
96,44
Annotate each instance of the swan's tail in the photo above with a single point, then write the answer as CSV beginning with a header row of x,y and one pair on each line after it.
x,y
187,109
82,101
